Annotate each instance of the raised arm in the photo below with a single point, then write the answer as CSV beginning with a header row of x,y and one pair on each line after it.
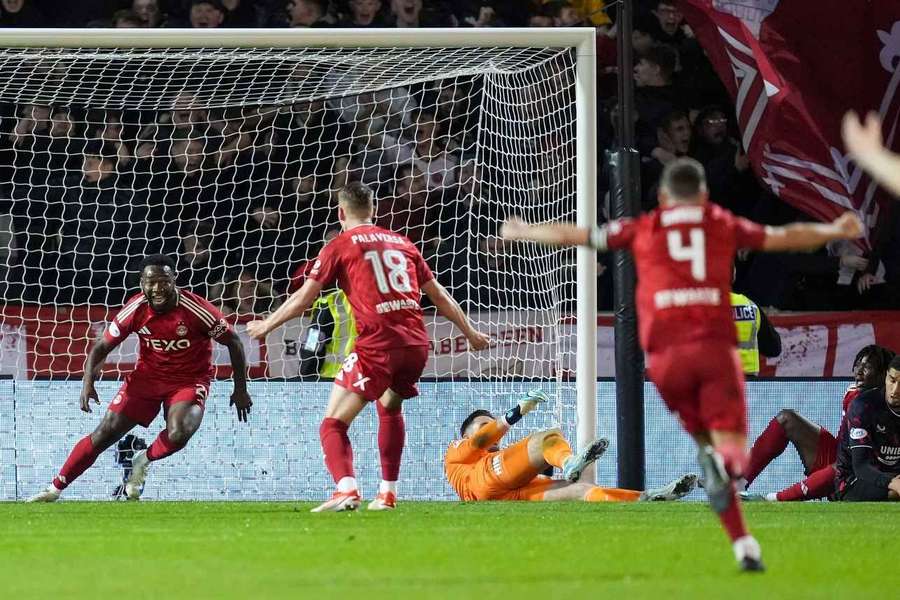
x,y
810,236
492,432
551,234
297,304
240,398
450,308
865,144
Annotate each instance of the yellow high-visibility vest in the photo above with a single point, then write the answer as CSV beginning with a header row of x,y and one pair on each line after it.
x,y
343,338
747,319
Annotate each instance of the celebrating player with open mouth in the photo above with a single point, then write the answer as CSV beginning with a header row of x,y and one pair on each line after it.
x,y
175,328
684,252
382,274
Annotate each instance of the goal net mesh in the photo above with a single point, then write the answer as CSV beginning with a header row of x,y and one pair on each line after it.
x,y
230,161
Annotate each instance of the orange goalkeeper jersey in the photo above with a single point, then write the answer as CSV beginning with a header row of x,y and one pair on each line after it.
x,y
467,459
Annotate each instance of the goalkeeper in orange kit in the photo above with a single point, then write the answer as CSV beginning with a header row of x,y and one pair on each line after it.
x,y
479,470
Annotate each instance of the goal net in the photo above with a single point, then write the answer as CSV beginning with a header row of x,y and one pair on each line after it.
x,y
229,159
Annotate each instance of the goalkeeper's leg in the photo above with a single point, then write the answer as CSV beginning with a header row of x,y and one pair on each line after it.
x,y
113,426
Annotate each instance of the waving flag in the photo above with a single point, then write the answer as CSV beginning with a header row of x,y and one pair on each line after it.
x,y
793,69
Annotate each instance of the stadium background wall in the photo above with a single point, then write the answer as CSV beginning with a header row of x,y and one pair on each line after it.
x,y
278,457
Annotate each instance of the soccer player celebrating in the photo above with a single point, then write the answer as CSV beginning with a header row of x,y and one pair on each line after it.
x,y
174,328
382,274
684,252
814,443
868,463
478,469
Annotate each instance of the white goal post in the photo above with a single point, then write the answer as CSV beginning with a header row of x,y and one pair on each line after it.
x,y
193,44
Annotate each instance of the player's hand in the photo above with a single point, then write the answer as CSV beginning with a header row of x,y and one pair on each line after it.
x,y
862,138
241,401
532,400
848,226
88,393
478,340
514,229
257,329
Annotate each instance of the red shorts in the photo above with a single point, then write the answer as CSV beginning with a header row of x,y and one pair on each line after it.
x,y
703,383
370,373
141,396
826,451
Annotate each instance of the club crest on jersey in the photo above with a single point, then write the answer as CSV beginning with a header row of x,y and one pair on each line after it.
x,y
181,330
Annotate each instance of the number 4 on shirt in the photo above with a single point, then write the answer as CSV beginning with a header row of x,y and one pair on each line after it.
x,y
695,251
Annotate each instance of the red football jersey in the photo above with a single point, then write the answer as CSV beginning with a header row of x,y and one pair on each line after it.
x,y
175,345
684,257
381,272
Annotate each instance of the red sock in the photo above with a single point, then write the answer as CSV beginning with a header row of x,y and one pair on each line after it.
x,y
734,457
733,519
337,449
767,447
391,439
820,484
80,458
162,447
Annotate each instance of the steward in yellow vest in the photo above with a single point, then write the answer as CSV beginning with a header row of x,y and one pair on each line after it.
x,y
330,337
755,333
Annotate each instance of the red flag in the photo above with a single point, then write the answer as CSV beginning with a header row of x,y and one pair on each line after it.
x,y
793,69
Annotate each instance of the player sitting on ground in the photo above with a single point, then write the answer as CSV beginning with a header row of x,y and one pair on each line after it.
x,y
814,443
684,253
868,462
478,469
382,274
174,328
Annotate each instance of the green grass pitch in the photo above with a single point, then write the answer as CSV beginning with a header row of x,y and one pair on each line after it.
x,y
440,550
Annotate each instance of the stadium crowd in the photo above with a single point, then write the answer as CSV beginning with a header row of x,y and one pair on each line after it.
x,y
85,194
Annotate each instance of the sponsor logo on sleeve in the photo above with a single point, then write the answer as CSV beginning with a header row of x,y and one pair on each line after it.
x,y
614,227
114,330
220,328
858,433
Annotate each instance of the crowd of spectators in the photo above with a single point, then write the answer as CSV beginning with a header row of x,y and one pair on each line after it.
x,y
245,196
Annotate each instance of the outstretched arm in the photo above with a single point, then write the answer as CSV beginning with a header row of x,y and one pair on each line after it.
x,y
810,236
492,432
450,308
551,234
297,304
92,365
240,398
865,144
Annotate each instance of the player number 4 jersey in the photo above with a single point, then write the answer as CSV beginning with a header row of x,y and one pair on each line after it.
x,y
684,256
176,345
382,273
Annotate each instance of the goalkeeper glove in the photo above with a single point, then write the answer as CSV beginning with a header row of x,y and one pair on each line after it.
x,y
527,404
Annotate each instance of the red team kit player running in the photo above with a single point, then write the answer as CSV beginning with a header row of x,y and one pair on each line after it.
x,y
382,274
684,252
175,329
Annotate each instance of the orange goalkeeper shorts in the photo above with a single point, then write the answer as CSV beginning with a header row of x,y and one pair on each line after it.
x,y
508,475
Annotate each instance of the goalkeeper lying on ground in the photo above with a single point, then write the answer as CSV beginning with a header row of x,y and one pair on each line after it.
x,y
479,470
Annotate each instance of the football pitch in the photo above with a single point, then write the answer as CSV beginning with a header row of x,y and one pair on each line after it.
x,y
440,550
